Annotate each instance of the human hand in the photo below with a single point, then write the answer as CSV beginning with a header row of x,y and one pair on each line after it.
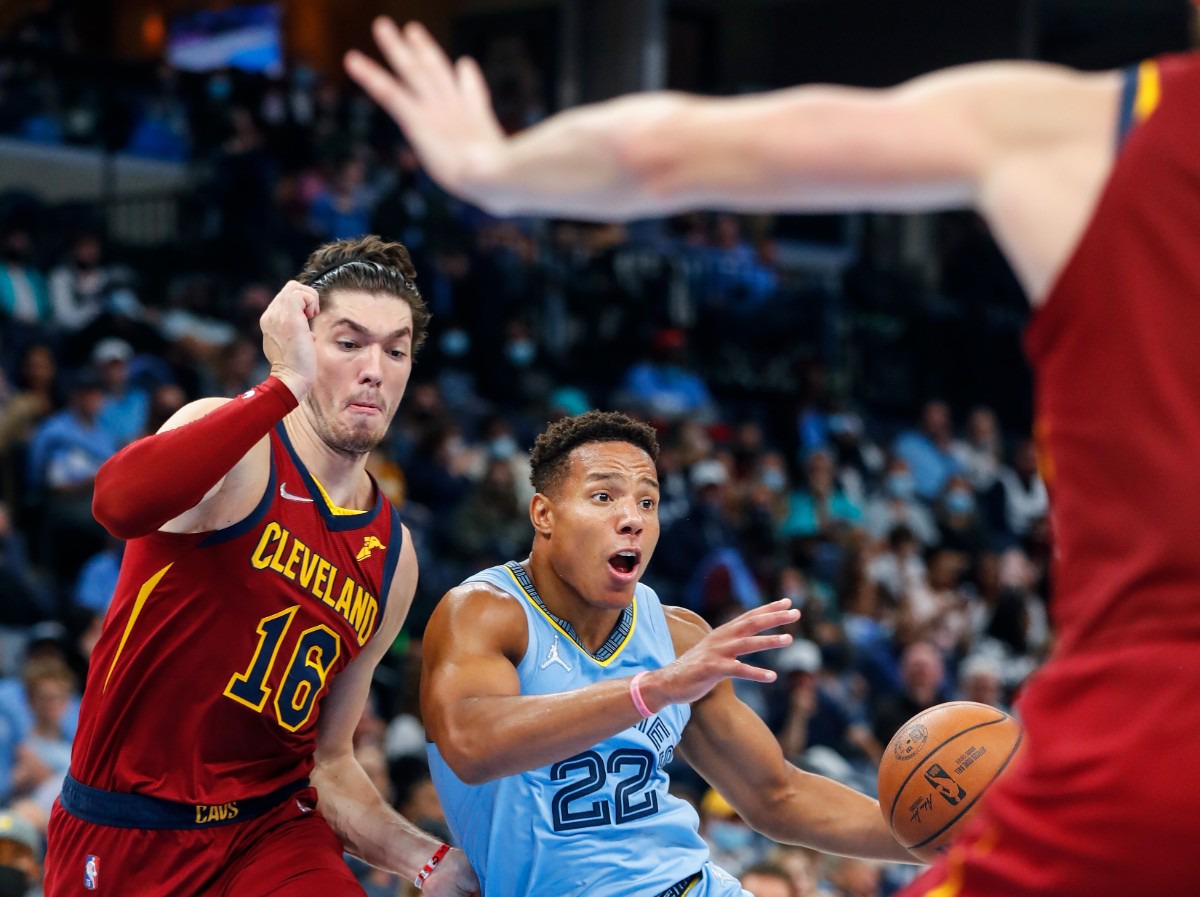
x,y
287,338
715,657
444,108
453,877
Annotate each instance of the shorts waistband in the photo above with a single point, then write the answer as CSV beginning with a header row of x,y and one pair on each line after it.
x,y
141,811
680,887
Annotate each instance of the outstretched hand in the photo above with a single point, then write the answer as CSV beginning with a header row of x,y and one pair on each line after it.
x,y
444,108
715,657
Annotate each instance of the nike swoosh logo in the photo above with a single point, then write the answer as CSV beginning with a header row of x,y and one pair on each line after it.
x,y
283,491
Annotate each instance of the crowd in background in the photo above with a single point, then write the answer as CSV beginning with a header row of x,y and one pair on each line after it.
x,y
916,545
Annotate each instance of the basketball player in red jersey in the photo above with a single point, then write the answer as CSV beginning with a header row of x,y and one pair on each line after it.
x,y
264,578
1091,185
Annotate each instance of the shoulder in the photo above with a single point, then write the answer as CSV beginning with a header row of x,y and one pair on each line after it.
x,y
686,627
479,613
193,411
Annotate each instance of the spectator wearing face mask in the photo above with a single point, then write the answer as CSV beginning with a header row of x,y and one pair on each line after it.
x,y
734,846
958,521
897,506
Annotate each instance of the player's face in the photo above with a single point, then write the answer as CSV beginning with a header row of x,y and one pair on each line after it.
x,y
364,358
604,523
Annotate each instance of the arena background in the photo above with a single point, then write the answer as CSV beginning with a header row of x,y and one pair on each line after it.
x,y
842,400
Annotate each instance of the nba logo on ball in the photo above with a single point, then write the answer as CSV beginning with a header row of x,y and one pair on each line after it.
x,y
91,872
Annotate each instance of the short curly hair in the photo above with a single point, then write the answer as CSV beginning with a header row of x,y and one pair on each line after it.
x,y
551,451
373,265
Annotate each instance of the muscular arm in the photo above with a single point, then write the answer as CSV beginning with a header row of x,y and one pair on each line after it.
x,y
1027,144
368,827
727,743
485,728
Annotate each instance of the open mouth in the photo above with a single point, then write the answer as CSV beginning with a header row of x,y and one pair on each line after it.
x,y
625,562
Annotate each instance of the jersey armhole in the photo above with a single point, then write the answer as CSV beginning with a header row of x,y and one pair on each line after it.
x,y
1140,94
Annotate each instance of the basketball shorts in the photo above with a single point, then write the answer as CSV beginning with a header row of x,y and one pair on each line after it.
x,y
285,848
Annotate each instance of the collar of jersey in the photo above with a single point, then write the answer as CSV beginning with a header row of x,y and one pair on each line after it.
x,y
333,519
621,633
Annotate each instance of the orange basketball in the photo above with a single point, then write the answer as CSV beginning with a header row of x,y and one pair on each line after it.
x,y
938,767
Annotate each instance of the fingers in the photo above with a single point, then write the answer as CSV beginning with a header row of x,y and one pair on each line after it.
x,y
777,613
432,66
473,86
753,673
381,86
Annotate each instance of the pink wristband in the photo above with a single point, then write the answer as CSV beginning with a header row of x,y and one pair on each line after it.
x,y
635,692
427,869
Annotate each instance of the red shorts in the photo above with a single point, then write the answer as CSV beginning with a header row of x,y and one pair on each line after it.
x,y
289,851
1103,802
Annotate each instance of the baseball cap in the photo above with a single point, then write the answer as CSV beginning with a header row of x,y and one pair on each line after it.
x,y
111,349
21,831
709,472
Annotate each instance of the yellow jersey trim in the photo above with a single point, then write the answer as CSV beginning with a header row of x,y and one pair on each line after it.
x,y
537,605
143,594
1149,91
334,509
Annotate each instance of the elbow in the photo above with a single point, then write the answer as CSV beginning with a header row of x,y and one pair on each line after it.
x,y
470,759
112,508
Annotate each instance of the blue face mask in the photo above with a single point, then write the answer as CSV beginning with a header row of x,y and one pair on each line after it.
x,y
900,485
520,352
730,836
455,343
960,502
774,479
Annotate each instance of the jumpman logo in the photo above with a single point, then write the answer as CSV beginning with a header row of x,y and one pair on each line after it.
x,y
553,657
283,492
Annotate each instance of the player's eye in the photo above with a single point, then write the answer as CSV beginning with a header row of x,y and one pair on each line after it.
x,y
648,504
346,344
601,496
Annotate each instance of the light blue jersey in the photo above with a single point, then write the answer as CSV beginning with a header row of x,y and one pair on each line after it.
x,y
601,823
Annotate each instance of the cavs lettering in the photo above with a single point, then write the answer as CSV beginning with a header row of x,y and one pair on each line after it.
x,y
279,550
216,812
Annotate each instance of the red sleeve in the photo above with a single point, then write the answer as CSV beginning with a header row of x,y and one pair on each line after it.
x,y
157,478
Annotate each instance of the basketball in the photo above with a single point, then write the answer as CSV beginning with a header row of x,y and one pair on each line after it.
x,y
938,767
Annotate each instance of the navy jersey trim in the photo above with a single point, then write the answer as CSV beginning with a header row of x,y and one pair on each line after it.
x,y
1129,92
335,522
390,562
243,526
614,642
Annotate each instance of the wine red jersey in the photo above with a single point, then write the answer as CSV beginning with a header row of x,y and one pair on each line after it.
x,y
1117,358
206,684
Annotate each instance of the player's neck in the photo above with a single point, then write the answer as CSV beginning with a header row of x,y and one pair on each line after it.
x,y
342,476
593,623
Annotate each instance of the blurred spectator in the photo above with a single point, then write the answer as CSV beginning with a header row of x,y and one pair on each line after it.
x,y
64,456
766,879
981,679
899,568
22,411
492,523
897,506
24,297
83,286
1019,492
859,461
922,673
664,385
928,451
344,208
125,410
44,756
959,524
821,509
981,452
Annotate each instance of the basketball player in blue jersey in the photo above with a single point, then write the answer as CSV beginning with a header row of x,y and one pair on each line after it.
x,y
556,690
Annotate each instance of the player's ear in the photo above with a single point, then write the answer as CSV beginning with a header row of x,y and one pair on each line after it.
x,y
541,513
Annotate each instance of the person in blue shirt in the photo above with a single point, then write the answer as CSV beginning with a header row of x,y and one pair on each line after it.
x,y
556,690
